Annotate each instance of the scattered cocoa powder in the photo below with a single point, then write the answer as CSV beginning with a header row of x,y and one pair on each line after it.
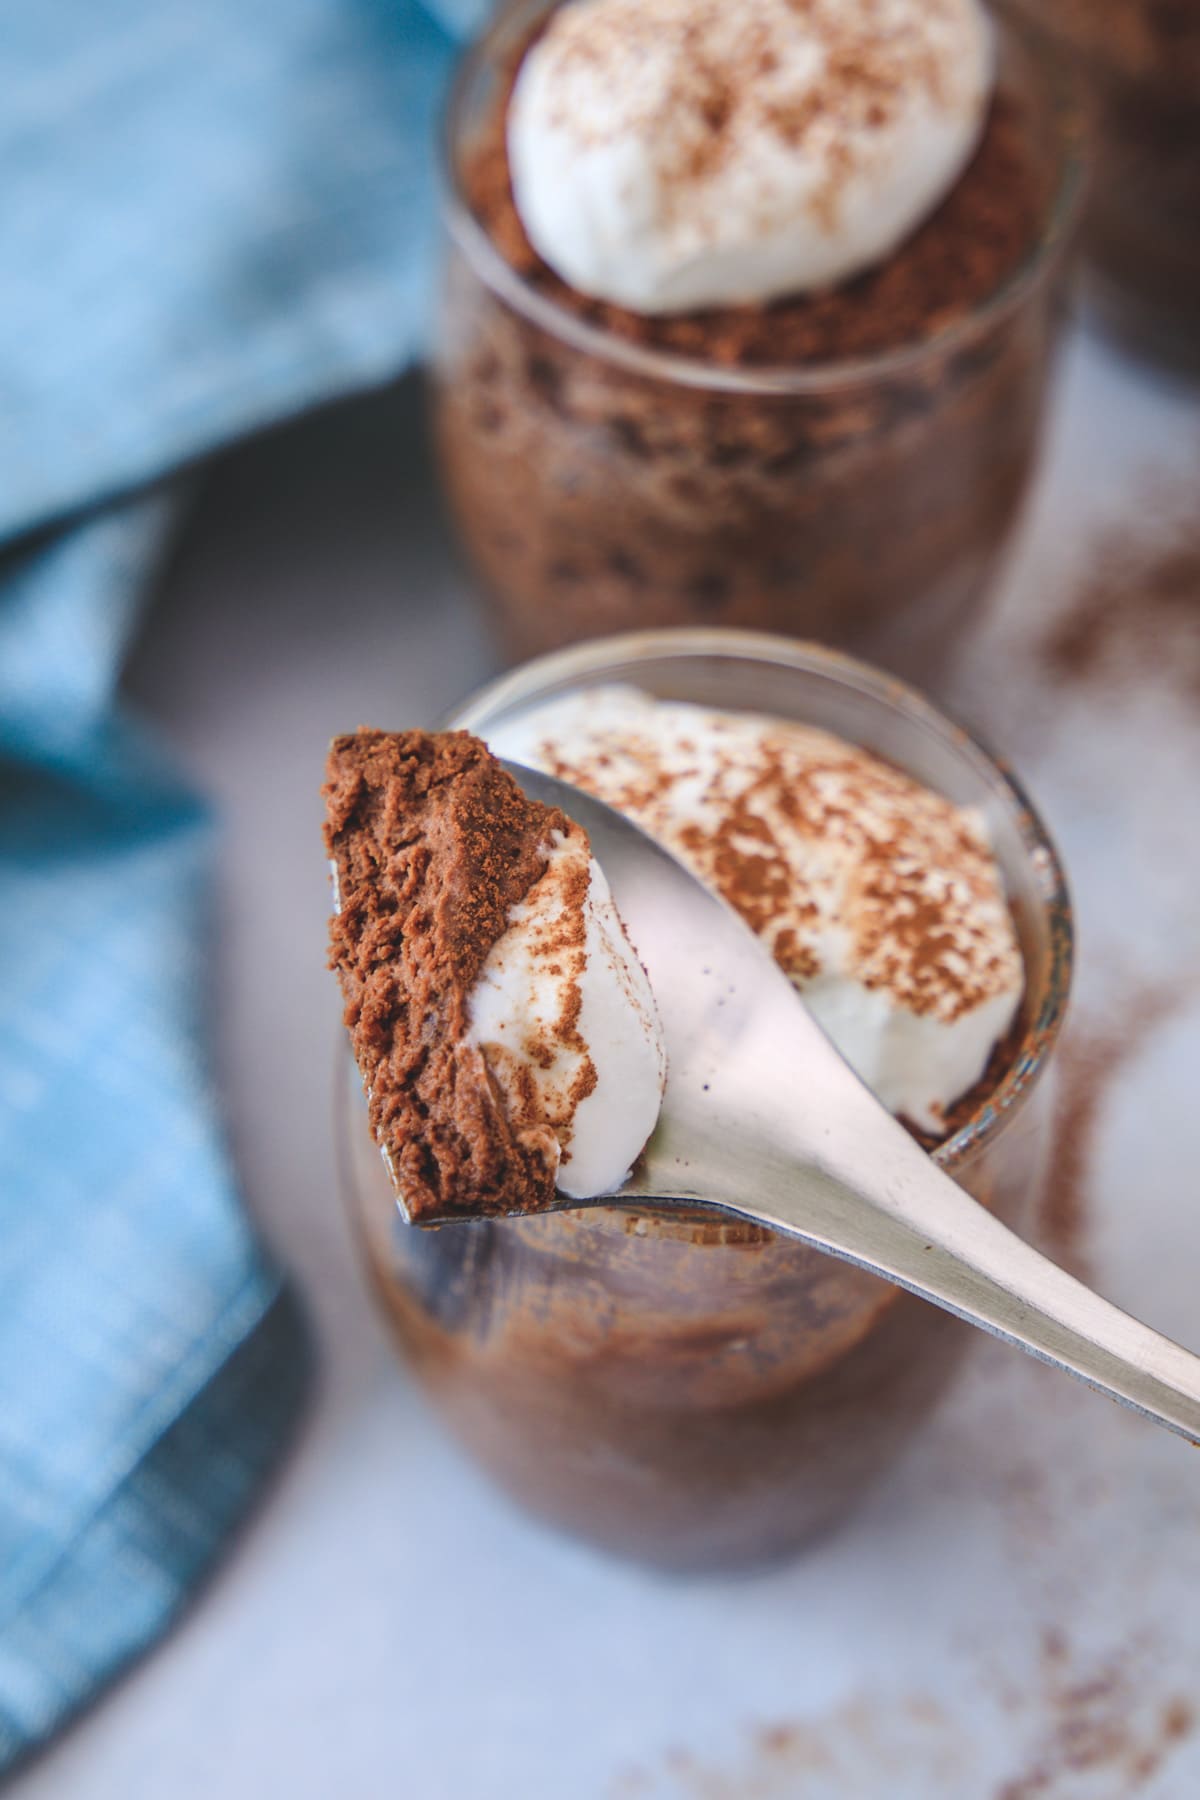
x,y
1098,1720
1136,607
1089,1065
1088,1717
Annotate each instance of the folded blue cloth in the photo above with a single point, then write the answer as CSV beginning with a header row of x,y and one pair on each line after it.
x,y
213,215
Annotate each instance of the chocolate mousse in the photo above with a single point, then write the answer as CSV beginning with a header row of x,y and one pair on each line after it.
x,y
673,1382
844,459
432,845
503,1027
880,899
960,256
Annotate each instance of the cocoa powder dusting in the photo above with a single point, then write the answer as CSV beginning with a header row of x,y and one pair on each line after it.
x,y
1097,1720
1088,1067
557,936
1136,607
433,844
961,255
1087,1717
922,906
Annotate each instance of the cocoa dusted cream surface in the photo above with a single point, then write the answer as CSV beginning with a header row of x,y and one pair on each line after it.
x,y
432,844
953,262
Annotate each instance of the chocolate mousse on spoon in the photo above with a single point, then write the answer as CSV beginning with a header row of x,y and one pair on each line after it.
x,y
515,1048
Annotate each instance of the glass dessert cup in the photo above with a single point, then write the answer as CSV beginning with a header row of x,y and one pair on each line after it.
x,y
1138,62
667,1382
600,485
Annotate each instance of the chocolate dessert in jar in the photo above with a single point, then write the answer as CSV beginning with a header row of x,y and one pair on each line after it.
x,y
727,344
667,1382
1138,62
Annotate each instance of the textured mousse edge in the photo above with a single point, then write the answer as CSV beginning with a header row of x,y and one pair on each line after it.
x,y
432,844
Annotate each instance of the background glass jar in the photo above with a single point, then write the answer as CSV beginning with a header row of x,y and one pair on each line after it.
x,y
1139,64
600,485
667,1382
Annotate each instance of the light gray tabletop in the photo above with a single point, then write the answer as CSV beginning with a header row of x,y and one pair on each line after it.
x,y
1012,1615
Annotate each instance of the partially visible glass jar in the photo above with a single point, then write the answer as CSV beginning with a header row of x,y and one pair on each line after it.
x,y
667,1382
1139,64
599,484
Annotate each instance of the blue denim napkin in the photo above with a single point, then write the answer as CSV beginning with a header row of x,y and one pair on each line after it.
x,y
212,215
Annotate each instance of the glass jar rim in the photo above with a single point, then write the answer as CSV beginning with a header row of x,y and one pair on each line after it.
x,y
498,275
587,661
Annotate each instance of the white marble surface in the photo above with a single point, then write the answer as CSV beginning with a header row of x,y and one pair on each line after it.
x,y
1012,1616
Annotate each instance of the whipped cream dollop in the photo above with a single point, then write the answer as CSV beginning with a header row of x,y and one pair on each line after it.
x,y
879,898
563,1015
669,155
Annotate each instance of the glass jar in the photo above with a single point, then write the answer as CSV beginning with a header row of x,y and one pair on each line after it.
x,y
1139,65
600,485
666,1381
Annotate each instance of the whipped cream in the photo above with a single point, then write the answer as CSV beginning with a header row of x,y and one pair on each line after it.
x,y
563,1015
669,155
879,898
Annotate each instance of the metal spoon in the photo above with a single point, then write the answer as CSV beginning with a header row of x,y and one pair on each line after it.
x,y
763,1118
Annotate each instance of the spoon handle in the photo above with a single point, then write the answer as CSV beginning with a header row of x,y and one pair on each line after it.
x,y
917,1227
